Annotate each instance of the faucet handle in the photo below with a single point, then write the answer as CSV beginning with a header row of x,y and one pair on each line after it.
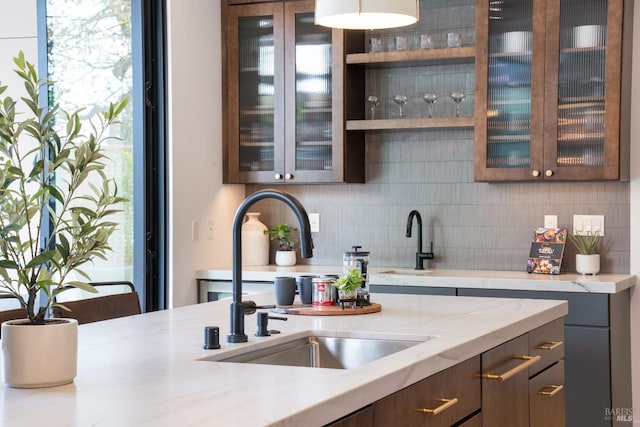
x,y
250,307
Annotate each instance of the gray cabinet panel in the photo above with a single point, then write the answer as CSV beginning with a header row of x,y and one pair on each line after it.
x,y
584,309
587,378
412,290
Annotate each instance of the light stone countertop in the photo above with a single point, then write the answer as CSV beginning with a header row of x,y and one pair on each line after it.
x,y
144,370
485,279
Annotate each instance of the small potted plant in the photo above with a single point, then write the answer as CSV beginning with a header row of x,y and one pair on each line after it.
x,y
348,285
285,255
62,173
587,258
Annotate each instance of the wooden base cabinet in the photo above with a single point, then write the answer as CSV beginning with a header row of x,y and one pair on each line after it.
x,y
523,380
518,383
547,398
440,400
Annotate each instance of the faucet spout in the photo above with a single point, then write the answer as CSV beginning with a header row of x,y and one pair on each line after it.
x,y
420,256
415,214
238,307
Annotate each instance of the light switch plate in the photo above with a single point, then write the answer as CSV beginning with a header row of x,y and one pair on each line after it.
x,y
314,222
585,225
551,221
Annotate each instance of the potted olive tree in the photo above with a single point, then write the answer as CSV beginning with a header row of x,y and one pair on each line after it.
x,y
285,254
58,175
587,258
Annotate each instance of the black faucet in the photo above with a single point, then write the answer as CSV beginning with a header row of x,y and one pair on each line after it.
x,y
238,307
420,256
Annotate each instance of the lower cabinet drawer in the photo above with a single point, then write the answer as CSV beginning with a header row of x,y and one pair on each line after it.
x,y
547,341
546,397
440,400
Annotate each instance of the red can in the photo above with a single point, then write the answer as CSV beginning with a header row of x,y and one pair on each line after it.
x,y
323,291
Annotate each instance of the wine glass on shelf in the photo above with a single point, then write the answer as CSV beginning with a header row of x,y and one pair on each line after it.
x,y
430,99
400,100
373,101
457,97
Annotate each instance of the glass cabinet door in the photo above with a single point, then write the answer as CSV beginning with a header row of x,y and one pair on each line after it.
x,y
256,76
583,98
313,114
510,70
549,73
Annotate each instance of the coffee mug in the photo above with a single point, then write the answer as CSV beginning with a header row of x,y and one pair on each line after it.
x,y
305,289
285,289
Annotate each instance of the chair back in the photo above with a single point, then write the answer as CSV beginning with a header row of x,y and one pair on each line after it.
x,y
105,307
12,314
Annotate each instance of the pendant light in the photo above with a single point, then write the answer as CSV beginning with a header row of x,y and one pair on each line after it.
x,y
366,14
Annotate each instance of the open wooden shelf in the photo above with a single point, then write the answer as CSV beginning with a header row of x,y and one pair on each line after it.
x,y
413,57
399,124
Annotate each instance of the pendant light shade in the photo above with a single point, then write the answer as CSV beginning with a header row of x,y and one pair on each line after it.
x,y
366,14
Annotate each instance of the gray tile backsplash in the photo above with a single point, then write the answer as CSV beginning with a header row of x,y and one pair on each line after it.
x,y
473,225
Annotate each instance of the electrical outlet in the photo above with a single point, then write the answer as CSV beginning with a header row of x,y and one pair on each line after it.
x,y
551,221
584,225
314,222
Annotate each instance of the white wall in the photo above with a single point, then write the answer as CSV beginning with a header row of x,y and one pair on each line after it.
x,y
18,31
195,138
634,215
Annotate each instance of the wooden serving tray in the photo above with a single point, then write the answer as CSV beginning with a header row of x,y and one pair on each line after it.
x,y
319,310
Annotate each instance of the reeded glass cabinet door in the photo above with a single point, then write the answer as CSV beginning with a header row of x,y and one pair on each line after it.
x,y
255,96
583,98
313,114
510,71
548,90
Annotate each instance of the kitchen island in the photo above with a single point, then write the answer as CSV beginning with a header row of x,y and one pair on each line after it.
x,y
146,369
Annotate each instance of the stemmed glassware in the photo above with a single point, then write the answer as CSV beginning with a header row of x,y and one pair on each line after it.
x,y
430,99
457,97
374,101
400,100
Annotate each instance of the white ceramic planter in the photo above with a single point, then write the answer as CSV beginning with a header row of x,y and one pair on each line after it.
x,y
588,264
286,258
39,355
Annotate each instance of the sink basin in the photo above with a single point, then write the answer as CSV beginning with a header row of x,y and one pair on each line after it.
x,y
407,272
316,351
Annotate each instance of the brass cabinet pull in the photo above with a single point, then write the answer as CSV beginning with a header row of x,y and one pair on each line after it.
x,y
551,345
528,361
548,172
555,390
447,403
535,173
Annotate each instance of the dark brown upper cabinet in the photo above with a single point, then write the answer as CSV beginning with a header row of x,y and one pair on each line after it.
x,y
548,83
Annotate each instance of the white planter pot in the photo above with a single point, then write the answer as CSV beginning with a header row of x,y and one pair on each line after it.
x,y
39,355
588,264
255,244
285,258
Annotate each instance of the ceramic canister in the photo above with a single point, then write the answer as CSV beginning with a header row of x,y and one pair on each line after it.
x,y
255,243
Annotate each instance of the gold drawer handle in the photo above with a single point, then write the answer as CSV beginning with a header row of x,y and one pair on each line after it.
x,y
551,345
529,360
447,403
556,390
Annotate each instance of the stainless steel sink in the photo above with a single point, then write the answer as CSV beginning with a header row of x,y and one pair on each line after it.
x,y
324,352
